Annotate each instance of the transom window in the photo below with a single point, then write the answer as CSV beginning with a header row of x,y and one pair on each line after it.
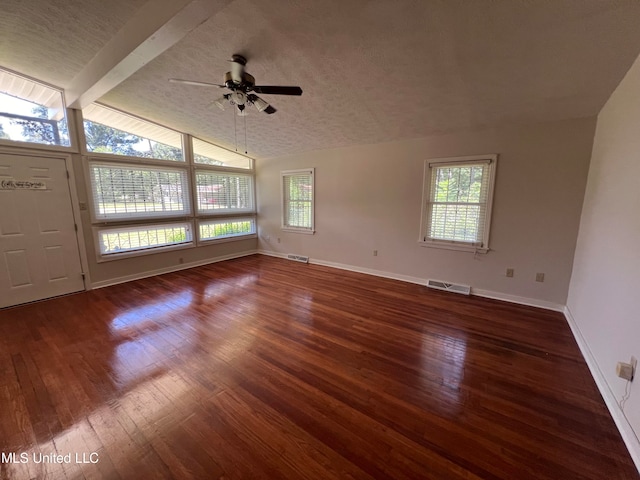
x,y
457,208
107,130
31,112
210,154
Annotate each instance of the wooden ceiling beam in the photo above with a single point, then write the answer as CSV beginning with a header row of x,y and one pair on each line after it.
x,y
156,27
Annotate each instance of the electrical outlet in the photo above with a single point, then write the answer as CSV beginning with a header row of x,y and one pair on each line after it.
x,y
539,277
83,206
509,272
627,371
375,253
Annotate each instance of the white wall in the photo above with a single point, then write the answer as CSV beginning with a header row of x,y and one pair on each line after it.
x,y
369,197
604,295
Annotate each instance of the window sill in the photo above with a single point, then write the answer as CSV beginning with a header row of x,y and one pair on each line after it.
x,y
38,147
100,258
235,238
216,213
150,251
298,230
454,246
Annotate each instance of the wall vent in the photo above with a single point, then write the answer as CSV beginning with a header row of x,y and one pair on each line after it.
x,y
449,287
298,258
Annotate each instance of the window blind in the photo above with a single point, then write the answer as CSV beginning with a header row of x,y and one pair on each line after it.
x,y
132,191
457,207
223,192
297,189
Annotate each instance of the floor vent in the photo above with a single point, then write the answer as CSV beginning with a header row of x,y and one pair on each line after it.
x,y
449,287
298,258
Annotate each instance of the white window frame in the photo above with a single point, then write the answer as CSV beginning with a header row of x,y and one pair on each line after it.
x,y
230,238
86,151
283,225
214,169
139,217
224,155
424,240
73,146
193,217
103,257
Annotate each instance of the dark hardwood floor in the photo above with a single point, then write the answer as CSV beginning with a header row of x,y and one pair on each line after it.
x,y
264,368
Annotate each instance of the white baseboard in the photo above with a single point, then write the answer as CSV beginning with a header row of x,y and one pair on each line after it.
x,y
370,271
532,302
269,253
626,431
173,268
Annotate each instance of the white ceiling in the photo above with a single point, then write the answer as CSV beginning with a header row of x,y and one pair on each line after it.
x,y
371,71
52,40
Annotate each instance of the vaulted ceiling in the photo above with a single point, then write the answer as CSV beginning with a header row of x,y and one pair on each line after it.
x,y
371,71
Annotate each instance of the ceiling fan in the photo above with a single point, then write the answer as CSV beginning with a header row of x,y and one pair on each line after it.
x,y
243,89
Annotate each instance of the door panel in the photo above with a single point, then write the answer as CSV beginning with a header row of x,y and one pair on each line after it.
x,y
40,257
9,218
18,268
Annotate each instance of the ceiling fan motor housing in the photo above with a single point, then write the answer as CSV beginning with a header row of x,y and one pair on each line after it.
x,y
247,82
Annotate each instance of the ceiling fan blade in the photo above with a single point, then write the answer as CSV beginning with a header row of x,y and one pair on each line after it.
x,y
198,84
276,90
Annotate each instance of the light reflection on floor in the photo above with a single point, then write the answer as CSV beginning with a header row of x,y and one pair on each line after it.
x,y
450,354
175,322
159,396
153,311
138,333
300,303
217,290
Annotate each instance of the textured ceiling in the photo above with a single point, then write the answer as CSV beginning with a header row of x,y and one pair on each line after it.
x,y
52,40
371,71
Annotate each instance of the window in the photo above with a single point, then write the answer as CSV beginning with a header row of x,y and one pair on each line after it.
x,y
31,112
118,240
110,131
219,192
457,206
226,228
297,200
210,154
144,204
122,191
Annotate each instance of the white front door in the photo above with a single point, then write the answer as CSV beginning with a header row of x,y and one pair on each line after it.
x,y
39,256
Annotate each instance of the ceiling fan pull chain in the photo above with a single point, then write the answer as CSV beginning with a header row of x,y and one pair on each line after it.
x,y
245,135
235,128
